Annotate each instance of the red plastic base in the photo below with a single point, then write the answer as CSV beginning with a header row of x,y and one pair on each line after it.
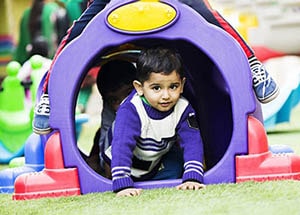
x,y
53,181
48,183
261,164
267,166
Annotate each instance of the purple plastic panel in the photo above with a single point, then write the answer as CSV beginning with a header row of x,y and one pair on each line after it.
x,y
218,86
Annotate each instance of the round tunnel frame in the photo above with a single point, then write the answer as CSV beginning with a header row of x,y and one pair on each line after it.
x,y
71,66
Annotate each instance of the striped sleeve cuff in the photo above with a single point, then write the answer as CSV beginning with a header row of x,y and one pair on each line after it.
x,y
122,183
193,171
121,178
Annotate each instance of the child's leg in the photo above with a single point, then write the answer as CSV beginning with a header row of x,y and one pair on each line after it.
x,y
264,86
42,110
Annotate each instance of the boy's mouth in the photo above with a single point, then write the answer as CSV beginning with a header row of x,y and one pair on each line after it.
x,y
165,104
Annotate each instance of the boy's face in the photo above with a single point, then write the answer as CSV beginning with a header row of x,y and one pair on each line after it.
x,y
161,91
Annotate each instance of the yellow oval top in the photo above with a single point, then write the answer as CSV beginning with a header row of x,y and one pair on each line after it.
x,y
141,16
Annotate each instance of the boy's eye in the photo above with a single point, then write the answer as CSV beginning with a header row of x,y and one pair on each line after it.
x,y
174,86
156,88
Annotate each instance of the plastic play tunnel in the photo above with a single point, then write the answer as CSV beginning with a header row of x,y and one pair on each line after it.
x,y
218,83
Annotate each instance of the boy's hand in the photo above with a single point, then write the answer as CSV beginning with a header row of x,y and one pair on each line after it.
x,y
129,192
190,185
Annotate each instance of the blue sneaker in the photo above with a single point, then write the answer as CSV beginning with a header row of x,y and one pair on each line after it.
x,y
264,85
40,124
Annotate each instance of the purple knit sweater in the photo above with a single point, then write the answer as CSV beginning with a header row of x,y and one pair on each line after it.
x,y
145,133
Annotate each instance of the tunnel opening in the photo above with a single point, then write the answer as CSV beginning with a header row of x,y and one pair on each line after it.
x,y
205,89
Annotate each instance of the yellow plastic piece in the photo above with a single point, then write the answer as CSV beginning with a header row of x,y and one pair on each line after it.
x,y
142,16
246,21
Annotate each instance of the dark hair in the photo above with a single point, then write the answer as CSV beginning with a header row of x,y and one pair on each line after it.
x,y
114,74
35,18
158,60
39,45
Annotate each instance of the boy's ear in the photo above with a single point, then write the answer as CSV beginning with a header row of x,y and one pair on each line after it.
x,y
183,82
138,87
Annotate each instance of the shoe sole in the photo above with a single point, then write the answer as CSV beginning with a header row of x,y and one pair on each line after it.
x,y
270,97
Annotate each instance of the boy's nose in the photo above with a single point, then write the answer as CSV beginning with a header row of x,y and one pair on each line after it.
x,y
165,94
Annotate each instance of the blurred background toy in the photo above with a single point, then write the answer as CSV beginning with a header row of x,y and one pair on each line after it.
x,y
15,120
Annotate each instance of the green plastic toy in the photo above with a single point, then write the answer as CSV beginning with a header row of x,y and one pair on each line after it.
x,y
15,121
36,62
